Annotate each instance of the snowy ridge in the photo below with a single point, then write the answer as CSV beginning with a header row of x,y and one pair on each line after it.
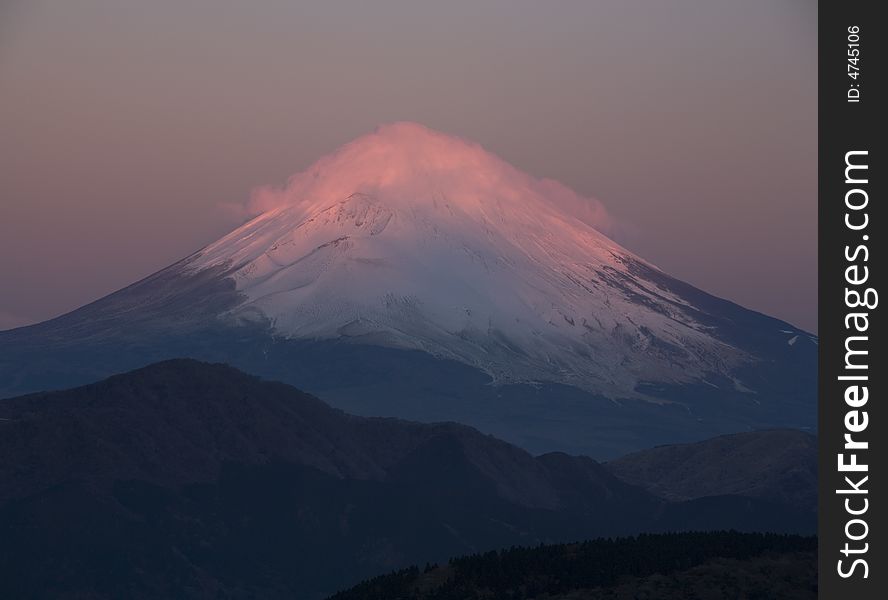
x,y
413,239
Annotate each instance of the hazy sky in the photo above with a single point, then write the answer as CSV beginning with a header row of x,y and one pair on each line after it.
x,y
126,125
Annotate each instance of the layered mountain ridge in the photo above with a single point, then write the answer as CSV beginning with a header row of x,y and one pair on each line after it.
x,y
191,480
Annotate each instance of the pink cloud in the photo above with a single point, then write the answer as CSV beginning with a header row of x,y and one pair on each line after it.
x,y
404,159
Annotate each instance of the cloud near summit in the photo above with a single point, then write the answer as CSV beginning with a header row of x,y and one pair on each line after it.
x,y
406,160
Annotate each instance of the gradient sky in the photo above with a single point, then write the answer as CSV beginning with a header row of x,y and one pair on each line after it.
x,y
128,126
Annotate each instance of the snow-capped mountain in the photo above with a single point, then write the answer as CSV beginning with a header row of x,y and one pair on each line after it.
x,y
410,240
414,239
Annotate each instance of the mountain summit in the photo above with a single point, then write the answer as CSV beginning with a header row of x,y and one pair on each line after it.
x,y
407,271
409,165
413,239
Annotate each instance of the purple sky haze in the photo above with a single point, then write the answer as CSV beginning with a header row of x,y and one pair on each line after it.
x,y
127,126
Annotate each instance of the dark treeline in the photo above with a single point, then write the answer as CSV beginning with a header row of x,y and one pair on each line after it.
x,y
520,572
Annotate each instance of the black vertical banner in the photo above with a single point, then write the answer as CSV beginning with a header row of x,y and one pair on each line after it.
x,y
853,422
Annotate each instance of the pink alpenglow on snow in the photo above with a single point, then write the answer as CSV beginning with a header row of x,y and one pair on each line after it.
x,y
410,161
414,239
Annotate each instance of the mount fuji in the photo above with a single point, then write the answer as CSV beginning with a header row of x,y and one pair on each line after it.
x,y
414,274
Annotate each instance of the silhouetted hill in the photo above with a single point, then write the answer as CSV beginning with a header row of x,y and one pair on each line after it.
x,y
775,465
675,566
189,479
